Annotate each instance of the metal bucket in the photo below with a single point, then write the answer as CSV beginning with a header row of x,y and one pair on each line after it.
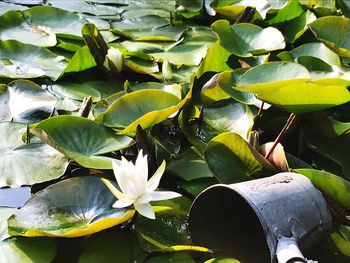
x,y
259,221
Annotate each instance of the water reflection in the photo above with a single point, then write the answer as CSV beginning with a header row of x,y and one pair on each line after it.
x,y
14,197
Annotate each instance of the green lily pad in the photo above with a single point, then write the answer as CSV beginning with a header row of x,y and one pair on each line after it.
x,y
189,166
109,246
28,250
337,40
82,60
26,164
229,117
152,237
316,50
143,107
294,29
19,249
27,61
26,102
271,76
81,140
180,257
39,25
232,159
183,55
94,7
306,97
331,185
74,207
215,60
286,85
246,39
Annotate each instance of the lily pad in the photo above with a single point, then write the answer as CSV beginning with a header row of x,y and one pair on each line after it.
x,y
109,246
246,39
189,166
27,61
39,25
229,117
74,207
337,40
81,140
232,159
271,76
26,102
331,185
143,107
26,164
152,237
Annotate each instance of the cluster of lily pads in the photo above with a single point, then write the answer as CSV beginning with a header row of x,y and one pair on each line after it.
x,y
223,91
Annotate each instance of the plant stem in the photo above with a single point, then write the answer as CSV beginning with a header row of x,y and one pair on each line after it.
x,y
284,130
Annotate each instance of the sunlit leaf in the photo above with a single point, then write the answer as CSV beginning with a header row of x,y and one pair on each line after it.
x,y
26,164
74,207
27,61
231,159
81,140
111,246
143,107
152,237
26,102
246,39
337,40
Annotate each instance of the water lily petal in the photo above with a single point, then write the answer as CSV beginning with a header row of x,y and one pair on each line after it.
x,y
145,199
131,192
145,210
142,166
153,183
123,203
120,174
164,195
113,189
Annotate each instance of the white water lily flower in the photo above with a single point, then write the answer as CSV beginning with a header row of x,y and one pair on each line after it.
x,y
135,187
115,60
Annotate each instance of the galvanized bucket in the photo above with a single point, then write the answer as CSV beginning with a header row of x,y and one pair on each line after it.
x,y
264,220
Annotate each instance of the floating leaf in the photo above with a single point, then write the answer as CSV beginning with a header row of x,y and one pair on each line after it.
x,y
295,28
285,85
74,207
215,60
27,61
167,233
183,55
273,75
111,246
189,166
26,164
232,116
246,39
232,160
143,107
180,257
337,40
81,140
39,25
26,102
331,185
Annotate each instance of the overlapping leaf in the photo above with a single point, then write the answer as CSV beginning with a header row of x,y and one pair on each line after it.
x,y
71,208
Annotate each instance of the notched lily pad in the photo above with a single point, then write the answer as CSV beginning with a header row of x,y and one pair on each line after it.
x,y
143,107
81,140
74,207
26,164
26,102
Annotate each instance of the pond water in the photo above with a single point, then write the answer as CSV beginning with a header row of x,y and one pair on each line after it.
x,y
14,197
